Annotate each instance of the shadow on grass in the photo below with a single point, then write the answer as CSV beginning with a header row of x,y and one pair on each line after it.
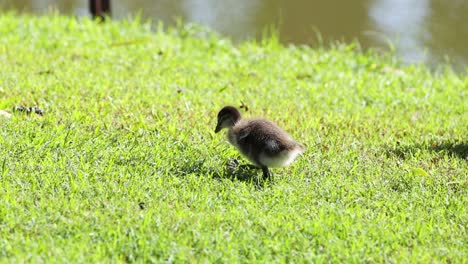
x,y
244,172
231,170
453,149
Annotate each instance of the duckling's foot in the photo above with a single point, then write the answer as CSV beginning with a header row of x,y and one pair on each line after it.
x,y
232,165
266,173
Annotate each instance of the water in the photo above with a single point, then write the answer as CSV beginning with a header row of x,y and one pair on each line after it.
x,y
421,31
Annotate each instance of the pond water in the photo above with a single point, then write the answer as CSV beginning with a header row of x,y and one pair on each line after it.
x,y
427,31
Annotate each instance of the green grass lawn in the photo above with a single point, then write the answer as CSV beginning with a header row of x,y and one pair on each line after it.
x,y
124,165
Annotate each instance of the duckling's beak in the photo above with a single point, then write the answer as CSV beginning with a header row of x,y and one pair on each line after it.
x,y
218,127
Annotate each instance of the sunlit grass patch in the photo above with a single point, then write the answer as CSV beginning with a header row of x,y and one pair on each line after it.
x,y
124,164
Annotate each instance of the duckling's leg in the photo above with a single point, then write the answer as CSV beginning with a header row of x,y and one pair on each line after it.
x,y
266,172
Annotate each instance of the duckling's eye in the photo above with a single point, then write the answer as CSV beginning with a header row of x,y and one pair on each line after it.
x,y
226,119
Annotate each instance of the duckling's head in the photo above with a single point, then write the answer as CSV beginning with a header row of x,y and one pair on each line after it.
x,y
227,118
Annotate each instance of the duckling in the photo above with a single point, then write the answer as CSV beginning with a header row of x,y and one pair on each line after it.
x,y
259,140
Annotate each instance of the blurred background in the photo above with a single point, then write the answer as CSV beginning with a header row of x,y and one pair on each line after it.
x,y
420,31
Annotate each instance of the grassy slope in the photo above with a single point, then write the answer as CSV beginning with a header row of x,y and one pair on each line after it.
x,y
130,113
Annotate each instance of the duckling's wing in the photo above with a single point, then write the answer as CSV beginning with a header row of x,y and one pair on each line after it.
x,y
272,146
272,139
242,134
245,138
260,135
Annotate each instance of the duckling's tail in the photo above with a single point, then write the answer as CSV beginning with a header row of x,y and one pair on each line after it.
x,y
300,148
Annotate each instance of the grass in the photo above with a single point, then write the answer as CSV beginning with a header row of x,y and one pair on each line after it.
x,y
124,165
